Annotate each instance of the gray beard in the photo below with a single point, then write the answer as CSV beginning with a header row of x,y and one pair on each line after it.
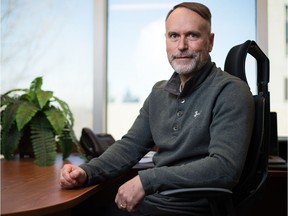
x,y
184,69
194,66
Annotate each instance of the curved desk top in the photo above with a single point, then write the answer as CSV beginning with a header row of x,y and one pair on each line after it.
x,y
27,189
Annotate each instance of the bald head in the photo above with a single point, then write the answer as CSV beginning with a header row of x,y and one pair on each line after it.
x,y
198,8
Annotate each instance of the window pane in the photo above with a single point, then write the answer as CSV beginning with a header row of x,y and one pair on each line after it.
x,y
136,49
53,39
277,37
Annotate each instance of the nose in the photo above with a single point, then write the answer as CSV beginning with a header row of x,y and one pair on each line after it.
x,y
182,43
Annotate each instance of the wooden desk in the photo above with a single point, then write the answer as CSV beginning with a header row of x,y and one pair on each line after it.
x,y
27,189
30,190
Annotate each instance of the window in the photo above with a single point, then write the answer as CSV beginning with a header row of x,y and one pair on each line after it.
x,y
277,36
53,39
287,30
136,50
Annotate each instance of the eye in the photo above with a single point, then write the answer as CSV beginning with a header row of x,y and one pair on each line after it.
x,y
172,35
192,35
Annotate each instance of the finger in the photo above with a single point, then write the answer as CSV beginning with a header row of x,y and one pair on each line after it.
x,y
120,201
65,185
68,174
66,177
117,200
66,181
122,205
130,205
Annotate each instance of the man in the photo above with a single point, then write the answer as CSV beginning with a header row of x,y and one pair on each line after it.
x,y
200,121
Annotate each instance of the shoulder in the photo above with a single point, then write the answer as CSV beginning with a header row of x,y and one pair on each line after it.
x,y
229,88
221,75
227,80
160,84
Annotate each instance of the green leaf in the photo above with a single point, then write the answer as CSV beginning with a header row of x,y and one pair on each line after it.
x,y
8,115
26,97
14,92
65,108
43,141
56,119
9,141
6,100
43,97
36,84
24,114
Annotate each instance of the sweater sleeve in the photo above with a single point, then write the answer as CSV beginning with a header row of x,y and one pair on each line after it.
x,y
124,153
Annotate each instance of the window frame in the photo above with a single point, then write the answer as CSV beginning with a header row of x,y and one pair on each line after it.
x,y
100,50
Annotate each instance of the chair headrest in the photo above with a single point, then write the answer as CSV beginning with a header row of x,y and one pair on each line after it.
x,y
236,58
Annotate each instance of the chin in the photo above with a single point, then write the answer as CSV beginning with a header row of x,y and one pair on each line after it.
x,y
183,70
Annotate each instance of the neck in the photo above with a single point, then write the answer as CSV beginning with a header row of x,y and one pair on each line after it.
x,y
184,78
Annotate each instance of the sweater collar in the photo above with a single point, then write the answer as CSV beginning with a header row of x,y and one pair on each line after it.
x,y
173,83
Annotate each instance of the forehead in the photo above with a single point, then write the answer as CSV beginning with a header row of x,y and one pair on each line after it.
x,y
186,19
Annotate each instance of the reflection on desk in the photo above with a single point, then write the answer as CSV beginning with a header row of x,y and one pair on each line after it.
x,y
27,189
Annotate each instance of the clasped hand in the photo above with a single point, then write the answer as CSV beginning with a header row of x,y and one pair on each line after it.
x,y
129,195
72,176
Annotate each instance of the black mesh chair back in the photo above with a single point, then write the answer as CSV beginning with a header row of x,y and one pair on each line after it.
x,y
254,175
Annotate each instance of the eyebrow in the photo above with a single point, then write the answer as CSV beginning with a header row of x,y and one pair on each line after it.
x,y
172,32
186,33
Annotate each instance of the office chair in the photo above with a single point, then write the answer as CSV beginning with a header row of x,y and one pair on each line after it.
x,y
252,181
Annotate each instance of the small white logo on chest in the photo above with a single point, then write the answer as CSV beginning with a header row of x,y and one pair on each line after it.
x,y
196,114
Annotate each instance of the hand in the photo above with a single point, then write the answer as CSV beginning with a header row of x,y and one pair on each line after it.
x,y
72,176
130,195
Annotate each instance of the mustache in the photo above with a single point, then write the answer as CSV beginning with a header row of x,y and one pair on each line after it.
x,y
183,55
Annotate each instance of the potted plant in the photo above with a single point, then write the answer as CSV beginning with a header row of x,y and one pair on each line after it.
x,y
37,118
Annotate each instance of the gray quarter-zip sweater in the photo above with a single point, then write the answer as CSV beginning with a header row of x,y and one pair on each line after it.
x,y
202,134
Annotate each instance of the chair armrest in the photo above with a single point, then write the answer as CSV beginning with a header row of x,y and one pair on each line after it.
x,y
198,192
217,198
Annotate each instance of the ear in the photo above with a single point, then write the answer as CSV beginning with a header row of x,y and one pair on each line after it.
x,y
211,39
